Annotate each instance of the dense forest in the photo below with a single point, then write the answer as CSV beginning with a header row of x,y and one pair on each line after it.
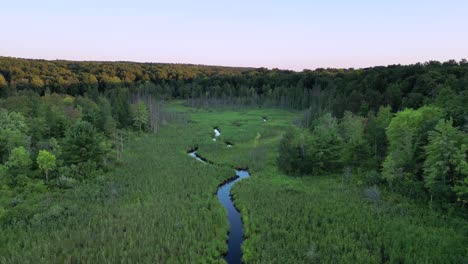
x,y
399,129
356,90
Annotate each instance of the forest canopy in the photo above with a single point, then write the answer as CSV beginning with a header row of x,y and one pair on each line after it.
x,y
339,90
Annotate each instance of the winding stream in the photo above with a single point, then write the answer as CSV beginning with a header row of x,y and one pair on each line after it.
x,y
236,229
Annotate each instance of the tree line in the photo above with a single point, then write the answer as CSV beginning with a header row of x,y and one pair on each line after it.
x,y
416,152
355,90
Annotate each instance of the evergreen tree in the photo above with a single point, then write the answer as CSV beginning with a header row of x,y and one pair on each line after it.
x,y
82,143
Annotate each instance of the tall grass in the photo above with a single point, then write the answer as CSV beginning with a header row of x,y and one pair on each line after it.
x,y
160,207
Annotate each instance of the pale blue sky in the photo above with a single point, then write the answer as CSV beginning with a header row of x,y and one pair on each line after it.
x,y
289,34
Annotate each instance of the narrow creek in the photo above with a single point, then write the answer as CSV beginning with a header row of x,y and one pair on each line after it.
x,y
236,228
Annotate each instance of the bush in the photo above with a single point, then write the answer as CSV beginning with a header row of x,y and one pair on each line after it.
x,y
65,182
80,171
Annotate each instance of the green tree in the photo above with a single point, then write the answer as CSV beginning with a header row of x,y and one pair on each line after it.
x,y
120,106
46,162
456,105
355,148
18,164
325,148
445,166
140,116
13,132
56,121
375,133
313,152
90,111
289,155
407,136
107,123
82,143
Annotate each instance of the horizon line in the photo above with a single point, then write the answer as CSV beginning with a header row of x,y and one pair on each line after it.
x,y
462,60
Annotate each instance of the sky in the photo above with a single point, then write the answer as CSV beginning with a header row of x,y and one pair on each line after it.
x,y
292,34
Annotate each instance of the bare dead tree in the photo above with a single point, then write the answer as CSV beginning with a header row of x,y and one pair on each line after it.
x,y
119,143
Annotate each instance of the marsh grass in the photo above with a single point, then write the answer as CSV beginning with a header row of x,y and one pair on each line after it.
x,y
160,207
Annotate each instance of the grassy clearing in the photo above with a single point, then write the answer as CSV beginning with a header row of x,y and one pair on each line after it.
x,y
239,128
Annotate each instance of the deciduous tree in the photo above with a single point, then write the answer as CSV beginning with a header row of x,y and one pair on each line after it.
x,y
46,162
140,116
445,166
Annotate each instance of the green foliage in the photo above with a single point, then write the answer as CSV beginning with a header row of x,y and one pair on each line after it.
x,y
375,133
446,166
140,116
294,152
90,111
461,189
56,121
326,146
187,224
315,219
407,134
13,121
79,171
107,124
321,90
18,164
83,143
355,147
113,208
13,132
19,160
319,219
46,162
120,106
312,153
455,104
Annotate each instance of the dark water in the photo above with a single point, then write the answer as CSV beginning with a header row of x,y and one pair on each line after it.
x,y
236,229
